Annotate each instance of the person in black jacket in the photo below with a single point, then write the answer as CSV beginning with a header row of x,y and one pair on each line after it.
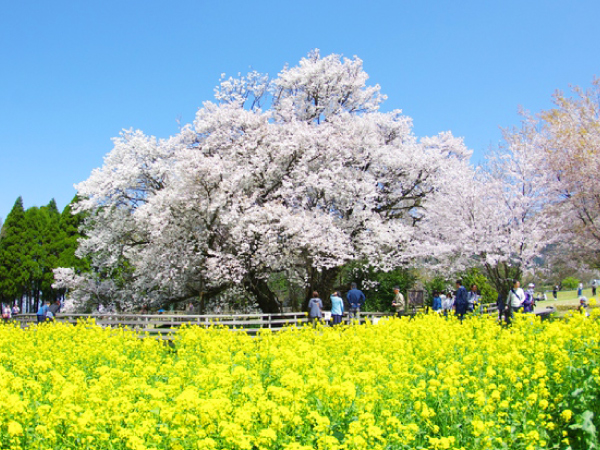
x,y
356,299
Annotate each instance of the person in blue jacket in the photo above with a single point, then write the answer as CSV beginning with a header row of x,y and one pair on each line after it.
x,y
337,308
461,303
437,302
42,312
356,299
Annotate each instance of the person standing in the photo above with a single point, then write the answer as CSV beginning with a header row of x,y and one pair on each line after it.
x,y
16,310
516,297
500,304
356,299
447,302
42,311
580,290
444,301
594,286
437,302
529,301
315,305
461,303
337,308
6,312
555,292
472,298
54,308
398,302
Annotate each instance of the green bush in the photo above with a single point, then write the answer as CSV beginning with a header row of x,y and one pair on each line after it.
x,y
378,286
570,283
474,276
437,284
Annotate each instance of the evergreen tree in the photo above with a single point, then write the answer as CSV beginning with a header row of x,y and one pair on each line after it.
x,y
70,234
70,225
50,240
33,243
13,278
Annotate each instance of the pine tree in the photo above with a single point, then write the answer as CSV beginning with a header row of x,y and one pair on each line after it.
x,y
70,234
70,225
31,245
13,277
51,241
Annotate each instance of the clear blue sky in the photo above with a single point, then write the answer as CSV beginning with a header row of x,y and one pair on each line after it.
x,y
74,73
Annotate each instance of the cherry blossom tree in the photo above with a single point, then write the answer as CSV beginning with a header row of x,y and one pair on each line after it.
x,y
569,137
518,190
501,221
295,175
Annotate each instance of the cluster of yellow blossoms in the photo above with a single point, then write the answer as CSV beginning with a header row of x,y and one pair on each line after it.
x,y
429,382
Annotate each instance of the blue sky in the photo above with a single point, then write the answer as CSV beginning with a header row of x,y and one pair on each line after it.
x,y
74,73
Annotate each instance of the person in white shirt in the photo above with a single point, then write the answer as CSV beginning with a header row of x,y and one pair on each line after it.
x,y
516,297
447,303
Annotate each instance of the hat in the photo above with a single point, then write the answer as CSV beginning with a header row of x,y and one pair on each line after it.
x,y
531,285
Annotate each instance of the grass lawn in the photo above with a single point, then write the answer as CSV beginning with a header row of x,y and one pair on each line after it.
x,y
566,301
567,297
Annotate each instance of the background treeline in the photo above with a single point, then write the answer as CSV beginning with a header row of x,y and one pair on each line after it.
x,y
33,242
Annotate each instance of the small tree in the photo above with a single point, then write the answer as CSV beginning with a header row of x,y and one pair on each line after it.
x,y
570,283
475,276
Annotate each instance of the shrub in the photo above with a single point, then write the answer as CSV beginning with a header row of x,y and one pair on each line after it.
x,y
570,283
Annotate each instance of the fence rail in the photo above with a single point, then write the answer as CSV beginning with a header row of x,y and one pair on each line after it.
x,y
162,325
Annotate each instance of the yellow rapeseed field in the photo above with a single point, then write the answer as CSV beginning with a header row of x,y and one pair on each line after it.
x,y
426,383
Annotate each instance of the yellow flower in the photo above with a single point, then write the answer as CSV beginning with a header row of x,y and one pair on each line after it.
x,y
15,428
566,415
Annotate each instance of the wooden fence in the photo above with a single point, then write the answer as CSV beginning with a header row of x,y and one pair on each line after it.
x,y
163,325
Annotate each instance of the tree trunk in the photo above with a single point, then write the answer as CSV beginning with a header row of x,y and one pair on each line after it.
x,y
266,299
323,282
502,277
